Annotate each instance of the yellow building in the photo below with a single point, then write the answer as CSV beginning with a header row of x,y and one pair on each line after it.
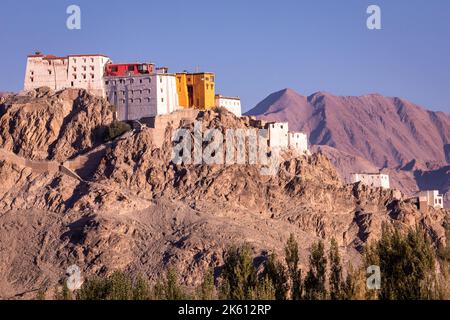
x,y
196,90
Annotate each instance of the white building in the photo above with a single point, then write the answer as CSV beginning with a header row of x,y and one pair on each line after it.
x,y
298,141
142,96
232,104
433,198
74,71
375,180
278,134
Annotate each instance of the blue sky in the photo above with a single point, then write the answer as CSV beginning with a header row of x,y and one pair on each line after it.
x,y
255,47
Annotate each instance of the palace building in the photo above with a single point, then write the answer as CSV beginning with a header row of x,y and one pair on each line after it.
x,y
196,90
73,71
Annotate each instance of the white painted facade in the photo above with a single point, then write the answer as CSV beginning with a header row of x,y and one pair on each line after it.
x,y
232,104
298,141
278,134
376,180
75,71
166,93
86,72
433,198
142,96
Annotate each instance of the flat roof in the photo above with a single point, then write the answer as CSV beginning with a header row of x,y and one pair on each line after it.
x,y
227,97
50,56
130,63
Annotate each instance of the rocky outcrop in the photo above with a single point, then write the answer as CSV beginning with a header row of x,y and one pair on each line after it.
x,y
43,124
138,211
369,132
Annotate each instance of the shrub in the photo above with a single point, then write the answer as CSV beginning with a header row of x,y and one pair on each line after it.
x,y
116,129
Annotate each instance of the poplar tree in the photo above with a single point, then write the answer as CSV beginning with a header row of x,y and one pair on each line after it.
x,y
292,262
335,280
276,272
316,277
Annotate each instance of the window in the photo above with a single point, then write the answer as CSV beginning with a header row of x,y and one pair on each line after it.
x,y
50,72
131,100
106,82
162,99
131,81
140,81
74,69
84,68
114,69
84,76
92,60
74,60
71,83
31,79
92,76
92,68
74,76
147,99
32,73
131,68
84,60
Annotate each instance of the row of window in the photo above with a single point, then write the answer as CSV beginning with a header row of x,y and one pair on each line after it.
x,y
132,92
230,103
138,100
84,68
130,81
83,76
84,60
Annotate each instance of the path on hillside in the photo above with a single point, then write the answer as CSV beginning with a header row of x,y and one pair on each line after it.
x,y
42,166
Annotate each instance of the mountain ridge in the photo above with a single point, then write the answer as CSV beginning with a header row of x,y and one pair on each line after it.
x,y
389,132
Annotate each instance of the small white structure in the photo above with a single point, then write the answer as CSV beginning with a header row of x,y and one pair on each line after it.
x,y
376,180
278,134
298,141
433,198
232,104
74,71
142,96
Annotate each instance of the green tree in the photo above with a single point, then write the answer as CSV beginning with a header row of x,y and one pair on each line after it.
x,y
407,263
171,288
116,129
265,289
316,277
65,294
276,272
335,280
292,262
207,290
141,289
119,287
238,274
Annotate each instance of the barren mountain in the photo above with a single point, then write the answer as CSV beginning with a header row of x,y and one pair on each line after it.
x,y
369,133
67,198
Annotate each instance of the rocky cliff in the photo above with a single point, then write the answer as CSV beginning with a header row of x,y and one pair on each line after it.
x,y
370,132
136,210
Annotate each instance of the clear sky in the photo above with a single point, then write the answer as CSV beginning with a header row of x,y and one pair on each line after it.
x,y
255,47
